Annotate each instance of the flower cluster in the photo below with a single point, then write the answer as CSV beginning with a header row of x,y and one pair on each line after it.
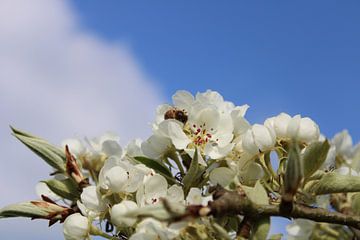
x,y
167,186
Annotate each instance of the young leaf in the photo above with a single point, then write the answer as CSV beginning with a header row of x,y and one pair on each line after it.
x,y
190,176
66,188
257,194
314,157
52,155
293,172
34,209
334,183
26,209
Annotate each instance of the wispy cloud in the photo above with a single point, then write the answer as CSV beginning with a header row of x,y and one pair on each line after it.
x,y
58,80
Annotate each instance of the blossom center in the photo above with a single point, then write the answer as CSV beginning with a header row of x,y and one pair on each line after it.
x,y
201,135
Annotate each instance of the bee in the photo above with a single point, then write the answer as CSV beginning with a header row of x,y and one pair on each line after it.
x,y
177,114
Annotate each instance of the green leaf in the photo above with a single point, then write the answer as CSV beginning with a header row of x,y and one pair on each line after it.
x,y
190,176
21,133
314,156
293,171
257,194
26,209
29,209
66,188
52,155
222,175
276,236
153,164
334,183
261,229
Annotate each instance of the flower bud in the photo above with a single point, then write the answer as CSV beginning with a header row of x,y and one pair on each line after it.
x,y
279,124
286,127
119,210
76,227
303,129
258,138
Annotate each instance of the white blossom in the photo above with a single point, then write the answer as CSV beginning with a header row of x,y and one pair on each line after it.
x,y
76,227
91,202
222,176
118,212
151,229
258,138
343,143
195,197
156,187
210,126
118,175
287,127
93,153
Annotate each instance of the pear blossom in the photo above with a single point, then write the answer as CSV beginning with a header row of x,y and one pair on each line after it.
x,y
156,187
343,143
93,153
258,138
91,202
210,126
76,227
287,127
157,147
117,190
118,212
151,229
222,176
119,175
195,197
133,148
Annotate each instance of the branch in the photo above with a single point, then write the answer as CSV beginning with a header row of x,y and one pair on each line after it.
x,y
233,203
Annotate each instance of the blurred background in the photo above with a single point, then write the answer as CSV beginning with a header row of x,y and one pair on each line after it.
x,y
79,68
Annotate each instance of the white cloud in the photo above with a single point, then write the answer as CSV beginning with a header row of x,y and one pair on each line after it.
x,y
57,80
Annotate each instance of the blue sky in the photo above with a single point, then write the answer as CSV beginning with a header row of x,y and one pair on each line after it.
x,y
299,57
82,67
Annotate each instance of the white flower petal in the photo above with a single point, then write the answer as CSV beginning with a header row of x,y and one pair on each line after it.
x,y
281,123
175,193
118,211
217,152
111,148
183,100
222,175
293,127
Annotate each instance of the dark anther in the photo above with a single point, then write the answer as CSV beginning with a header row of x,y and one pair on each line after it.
x,y
179,176
109,227
122,236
